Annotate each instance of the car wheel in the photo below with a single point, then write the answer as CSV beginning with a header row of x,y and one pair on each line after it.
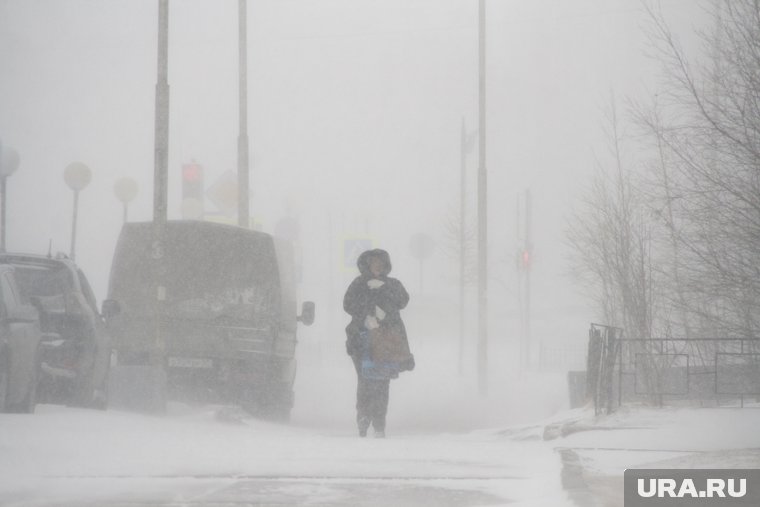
x,y
100,395
3,385
29,403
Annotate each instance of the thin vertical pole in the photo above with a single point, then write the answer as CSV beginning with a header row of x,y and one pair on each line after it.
x,y
462,237
520,279
243,168
160,198
3,208
528,267
161,161
482,212
74,225
421,287
331,275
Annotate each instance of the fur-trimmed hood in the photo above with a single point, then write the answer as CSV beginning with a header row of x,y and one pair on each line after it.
x,y
363,261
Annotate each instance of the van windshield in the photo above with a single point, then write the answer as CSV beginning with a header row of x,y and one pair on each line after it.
x,y
208,271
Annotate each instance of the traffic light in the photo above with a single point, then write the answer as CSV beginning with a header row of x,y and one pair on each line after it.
x,y
526,259
192,191
192,181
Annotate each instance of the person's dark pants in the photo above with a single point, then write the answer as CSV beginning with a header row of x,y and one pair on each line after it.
x,y
371,400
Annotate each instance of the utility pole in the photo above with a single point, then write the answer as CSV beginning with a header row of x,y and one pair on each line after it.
x,y
482,210
243,171
157,374
527,259
462,238
161,148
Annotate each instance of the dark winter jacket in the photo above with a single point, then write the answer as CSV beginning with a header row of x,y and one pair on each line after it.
x,y
360,301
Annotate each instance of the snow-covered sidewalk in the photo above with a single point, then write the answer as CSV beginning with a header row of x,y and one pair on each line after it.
x,y
597,450
65,456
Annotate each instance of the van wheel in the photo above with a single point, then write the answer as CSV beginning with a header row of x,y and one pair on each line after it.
x,y
278,413
278,405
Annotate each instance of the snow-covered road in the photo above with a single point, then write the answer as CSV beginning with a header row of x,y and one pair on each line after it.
x,y
215,456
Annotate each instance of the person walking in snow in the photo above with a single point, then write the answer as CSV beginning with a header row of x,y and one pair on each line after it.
x,y
376,336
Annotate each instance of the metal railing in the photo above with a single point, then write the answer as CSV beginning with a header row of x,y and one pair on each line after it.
x,y
671,371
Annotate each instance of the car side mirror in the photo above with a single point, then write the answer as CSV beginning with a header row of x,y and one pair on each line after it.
x,y
307,313
111,308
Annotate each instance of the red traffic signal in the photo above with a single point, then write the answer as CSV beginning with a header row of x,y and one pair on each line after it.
x,y
192,172
192,181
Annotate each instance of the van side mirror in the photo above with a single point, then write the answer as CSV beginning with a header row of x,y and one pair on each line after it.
x,y
111,308
307,313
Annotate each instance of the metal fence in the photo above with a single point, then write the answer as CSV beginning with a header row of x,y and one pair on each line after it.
x,y
671,371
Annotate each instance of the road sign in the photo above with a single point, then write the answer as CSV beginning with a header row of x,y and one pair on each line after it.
x,y
224,193
352,249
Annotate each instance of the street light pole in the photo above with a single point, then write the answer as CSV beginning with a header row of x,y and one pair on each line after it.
x,y
243,168
156,372
161,147
482,210
125,190
9,161
3,195
2,210
77,176
74,226
462,238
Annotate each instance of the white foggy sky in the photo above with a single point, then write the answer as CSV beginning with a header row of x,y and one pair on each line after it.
x,y
354,108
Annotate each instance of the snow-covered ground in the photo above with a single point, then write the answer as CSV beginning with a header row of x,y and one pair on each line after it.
x,y
447,445
597,450
213,455
216,455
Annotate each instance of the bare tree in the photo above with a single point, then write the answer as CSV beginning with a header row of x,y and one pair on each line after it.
x,y
706,127
457,244
611,242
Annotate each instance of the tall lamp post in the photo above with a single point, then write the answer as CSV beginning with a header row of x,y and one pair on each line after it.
x,y
9,161
243,149
125,190
77,176
482,208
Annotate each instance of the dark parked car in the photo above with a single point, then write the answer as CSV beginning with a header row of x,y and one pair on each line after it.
x,y
208,313
19,346
75,351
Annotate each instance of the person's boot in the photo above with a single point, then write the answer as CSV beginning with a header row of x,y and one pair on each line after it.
x,y
379,433
363,423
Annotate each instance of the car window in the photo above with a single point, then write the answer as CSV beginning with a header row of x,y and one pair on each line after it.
x,y
87,291
49,284
9,296
21,298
